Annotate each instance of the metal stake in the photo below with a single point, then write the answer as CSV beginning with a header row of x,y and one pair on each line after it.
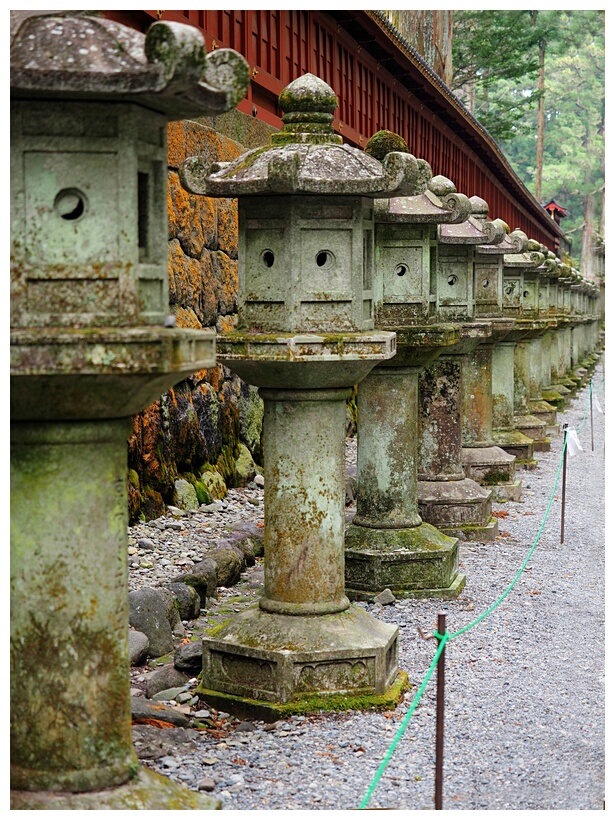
x,y
591,409
440,715
565,427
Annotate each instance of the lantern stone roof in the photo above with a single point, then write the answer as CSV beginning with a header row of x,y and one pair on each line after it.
x,y
527,260
439,203
476,230
78,55
513,241
307,157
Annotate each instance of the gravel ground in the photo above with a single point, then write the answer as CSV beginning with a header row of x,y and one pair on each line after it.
x,y
525,687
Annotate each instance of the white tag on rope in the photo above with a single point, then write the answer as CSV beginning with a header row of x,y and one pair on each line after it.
x,y
597,404
572,442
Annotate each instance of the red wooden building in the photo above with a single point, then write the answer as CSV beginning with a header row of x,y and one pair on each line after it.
x,y
381,82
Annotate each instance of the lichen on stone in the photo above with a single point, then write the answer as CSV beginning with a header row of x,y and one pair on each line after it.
x,y
383,142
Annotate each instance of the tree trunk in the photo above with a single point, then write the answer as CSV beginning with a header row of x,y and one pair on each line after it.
x,y
541,123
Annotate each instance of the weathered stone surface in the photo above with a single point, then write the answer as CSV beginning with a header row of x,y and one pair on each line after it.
x,y
204,578
138,644
188,657
148,791
188,600
202,275
417,562
348,652
165,677
214,484
385,597
245,468
229,561
148,613
186,495
144,711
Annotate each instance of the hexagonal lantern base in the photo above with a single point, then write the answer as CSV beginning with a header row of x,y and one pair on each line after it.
x,y
259,660
148,790
494,468
460,509
417,562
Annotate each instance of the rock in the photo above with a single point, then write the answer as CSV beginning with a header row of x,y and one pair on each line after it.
x,y
214,484
163,678
351,483
203,577
250,530
241,539
259,480
246,726
186,495
245,468
144,711
188,600
146,544
385,597
206,784
172,607
176,512
169,694
189,657
148,614
138,644
230,563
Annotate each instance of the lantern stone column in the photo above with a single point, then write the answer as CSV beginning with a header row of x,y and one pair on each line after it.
x,y
457,505
388,545
89,299
306,336
483,460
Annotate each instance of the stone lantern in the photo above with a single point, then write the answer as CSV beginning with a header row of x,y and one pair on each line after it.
x,y
510,394
453,503
554,390
89,108
483,460
388,545
305,336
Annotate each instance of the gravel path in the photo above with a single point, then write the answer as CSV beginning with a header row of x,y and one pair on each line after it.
x,y
525,687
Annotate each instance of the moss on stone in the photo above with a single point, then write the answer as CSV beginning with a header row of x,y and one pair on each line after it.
x,y
383,142
310,704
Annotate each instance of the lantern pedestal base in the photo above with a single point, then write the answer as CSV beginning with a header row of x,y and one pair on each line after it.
x,y
416,562
460,509
260,657
544,411
517,445
147,790
493,468
535,429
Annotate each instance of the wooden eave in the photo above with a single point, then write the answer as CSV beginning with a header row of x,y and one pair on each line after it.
x,y
373,32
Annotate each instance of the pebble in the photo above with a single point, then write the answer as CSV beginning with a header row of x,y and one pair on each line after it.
x,y
525,687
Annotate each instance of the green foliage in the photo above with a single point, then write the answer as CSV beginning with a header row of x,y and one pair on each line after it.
x,y
496,59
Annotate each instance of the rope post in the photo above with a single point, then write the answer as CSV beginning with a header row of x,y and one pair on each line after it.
x,y
591,409
565,428
440,714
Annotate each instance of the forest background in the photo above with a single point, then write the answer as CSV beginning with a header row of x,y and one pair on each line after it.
x,y
535,81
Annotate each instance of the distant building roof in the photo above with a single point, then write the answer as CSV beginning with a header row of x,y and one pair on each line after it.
x,y
557,211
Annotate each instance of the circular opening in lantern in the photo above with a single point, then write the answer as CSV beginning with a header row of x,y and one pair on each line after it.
x,y
70,204
267,258
324,259
401,270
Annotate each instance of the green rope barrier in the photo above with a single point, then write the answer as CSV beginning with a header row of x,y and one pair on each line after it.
x,y
443,639
404,723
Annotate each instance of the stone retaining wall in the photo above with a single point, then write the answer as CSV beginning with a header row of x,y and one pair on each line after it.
x,y
196,430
